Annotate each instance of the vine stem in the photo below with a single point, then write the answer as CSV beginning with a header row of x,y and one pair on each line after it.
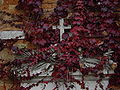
x,y
4,86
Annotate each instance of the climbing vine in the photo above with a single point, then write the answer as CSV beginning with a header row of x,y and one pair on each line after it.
x,y
94,35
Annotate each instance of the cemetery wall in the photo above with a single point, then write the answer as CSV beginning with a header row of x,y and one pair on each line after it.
x,y
9,6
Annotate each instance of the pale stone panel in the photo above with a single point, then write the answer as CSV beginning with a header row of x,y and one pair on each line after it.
x,y
12,34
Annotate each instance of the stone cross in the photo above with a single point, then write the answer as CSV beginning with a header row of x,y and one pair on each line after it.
x,y
61,27
12,35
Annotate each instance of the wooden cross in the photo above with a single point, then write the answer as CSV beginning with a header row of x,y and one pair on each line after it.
x,y
61,27
5,35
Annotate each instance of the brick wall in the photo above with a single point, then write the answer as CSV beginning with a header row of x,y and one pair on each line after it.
x,y
9,6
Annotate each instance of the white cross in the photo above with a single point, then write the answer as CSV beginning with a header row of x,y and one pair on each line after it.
x,y
12,34
61,27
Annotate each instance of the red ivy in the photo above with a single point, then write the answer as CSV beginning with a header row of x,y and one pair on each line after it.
x,y
94,31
